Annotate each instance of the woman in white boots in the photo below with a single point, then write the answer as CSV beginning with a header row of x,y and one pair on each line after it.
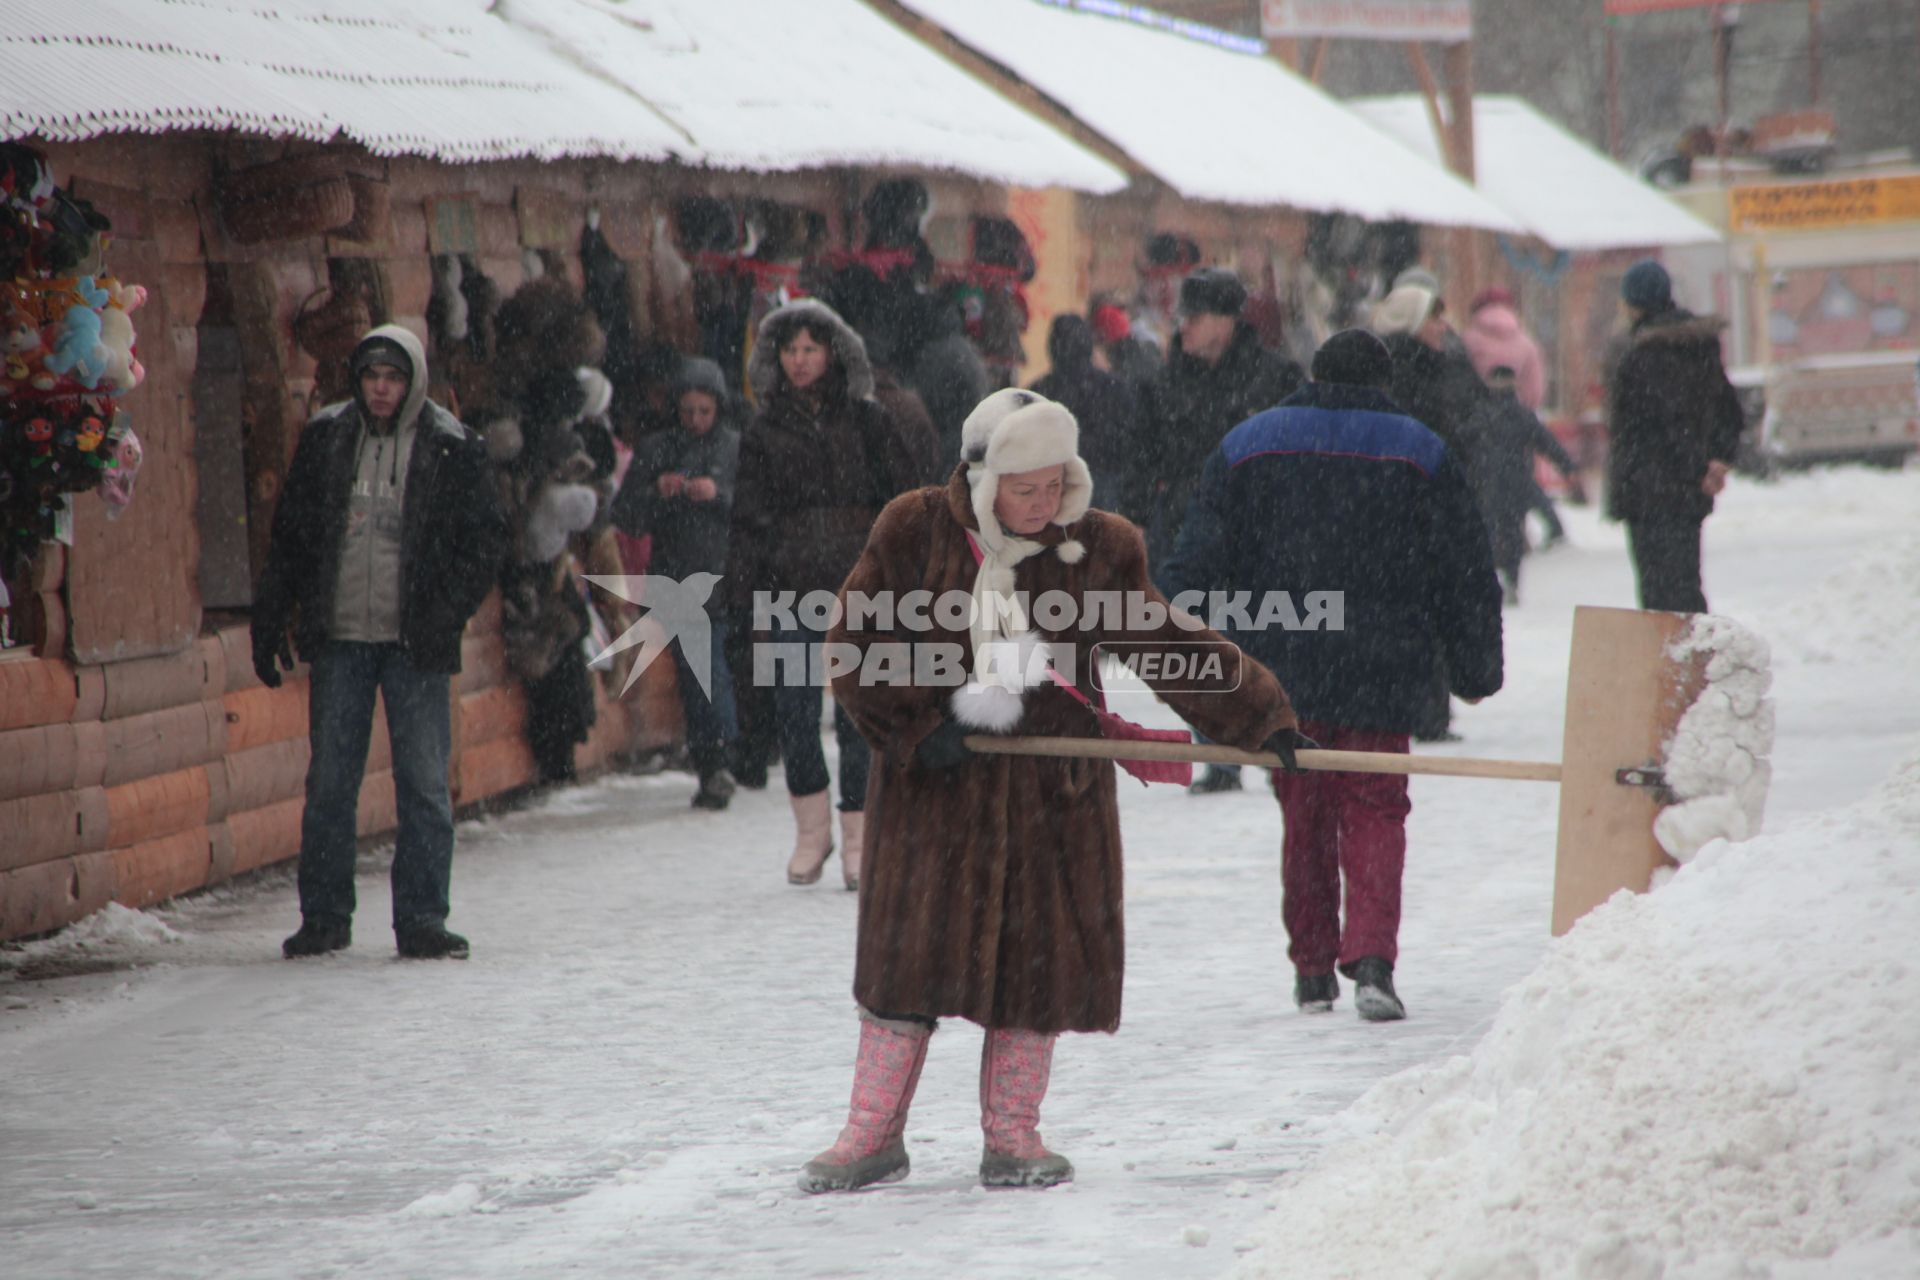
x,y
816,466
992,884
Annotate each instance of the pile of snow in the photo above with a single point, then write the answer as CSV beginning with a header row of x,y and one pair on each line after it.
x,y
1867,609
1716,762
1714,1081
112,929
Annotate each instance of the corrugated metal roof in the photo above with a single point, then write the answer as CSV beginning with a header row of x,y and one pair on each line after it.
x,y
1215,123
789,85
732,83
1558,187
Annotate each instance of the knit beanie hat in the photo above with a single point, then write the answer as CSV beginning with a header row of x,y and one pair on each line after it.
x,y
1212,291
377,348
1494,296
1355,358
1403,311
697,373
1010,432
1418,275
1110,323
1647,286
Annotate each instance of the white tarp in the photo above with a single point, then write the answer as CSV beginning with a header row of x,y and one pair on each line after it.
x,y
1213,122
777,86
1558,187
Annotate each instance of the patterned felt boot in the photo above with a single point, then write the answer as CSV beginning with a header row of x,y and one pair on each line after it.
x,y
872,1148
1014,1069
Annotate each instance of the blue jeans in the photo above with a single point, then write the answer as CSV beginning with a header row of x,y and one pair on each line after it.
x,y
711,724
796,713
345,677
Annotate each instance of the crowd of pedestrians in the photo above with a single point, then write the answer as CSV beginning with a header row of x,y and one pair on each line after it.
x,y
1398,475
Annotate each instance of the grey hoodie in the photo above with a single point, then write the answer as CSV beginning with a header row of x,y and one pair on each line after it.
x,y
366,598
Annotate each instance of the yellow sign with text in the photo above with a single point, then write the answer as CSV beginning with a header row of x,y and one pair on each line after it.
x,y
1813,206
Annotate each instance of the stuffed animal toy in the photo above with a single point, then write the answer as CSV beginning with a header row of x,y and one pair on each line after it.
x,y
116,486
78,350
124,371
20,347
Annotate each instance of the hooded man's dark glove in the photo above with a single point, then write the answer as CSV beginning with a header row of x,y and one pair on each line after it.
x,y
265,656
1284,743
944,748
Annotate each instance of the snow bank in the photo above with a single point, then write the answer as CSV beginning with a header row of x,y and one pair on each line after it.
x,y
111,929
1716,762
1714,1081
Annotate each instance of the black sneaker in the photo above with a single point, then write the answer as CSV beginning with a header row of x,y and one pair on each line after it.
x,y
716,790
429,942
1315,992
1373,993
1214,781
317,936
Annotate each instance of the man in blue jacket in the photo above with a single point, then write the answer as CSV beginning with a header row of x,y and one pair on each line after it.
x,y
1337,491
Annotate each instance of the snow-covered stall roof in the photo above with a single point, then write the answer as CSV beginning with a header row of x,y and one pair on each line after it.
x,y
1561,189
1214,122
787,85
440,78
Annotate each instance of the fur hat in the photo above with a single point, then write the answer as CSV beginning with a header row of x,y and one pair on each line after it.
x,y
1212,291
1009,432
1402,311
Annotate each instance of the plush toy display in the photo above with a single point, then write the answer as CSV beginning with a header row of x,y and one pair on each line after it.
x,y
67,351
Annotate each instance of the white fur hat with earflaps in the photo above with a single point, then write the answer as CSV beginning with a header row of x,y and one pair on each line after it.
x,y
1010,432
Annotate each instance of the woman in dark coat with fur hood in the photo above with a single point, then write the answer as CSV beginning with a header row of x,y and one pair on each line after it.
x,y
992,888
816,466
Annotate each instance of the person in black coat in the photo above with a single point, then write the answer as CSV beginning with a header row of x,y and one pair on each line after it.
x,y
1674,423
1363,518
679,488
1217,376
1434,383
1099,402
386,539
816,466
1503,436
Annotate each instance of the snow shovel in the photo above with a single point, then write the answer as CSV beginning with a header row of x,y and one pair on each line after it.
x,y
1626,693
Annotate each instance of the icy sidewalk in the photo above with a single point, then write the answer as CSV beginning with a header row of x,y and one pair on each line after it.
x,y
655,1030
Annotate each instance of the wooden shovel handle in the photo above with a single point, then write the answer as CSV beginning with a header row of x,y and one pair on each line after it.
x,y
1318,760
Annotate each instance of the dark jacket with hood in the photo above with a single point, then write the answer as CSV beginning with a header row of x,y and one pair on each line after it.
x,y
1099,402
1438,389
1671,411
1187,411
816,467
688,537
452,534
1339,491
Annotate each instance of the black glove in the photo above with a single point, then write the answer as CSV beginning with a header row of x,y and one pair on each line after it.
x,y
264,656
1284,743
944,748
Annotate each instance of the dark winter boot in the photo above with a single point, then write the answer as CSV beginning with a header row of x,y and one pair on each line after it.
x,y
317,936
872,1147
429,942
1373,993
1014,1069
1215,780
716,790
1315,992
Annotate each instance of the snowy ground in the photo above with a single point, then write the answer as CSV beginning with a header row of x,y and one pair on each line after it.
x,y
655,1030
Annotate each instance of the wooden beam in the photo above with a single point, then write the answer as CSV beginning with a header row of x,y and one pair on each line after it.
x,y
1430,90
1320,59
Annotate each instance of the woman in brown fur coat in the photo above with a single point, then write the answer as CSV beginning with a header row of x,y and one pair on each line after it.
x,y
992,884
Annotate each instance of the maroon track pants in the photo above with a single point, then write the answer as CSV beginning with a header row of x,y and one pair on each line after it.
x,y
1342,824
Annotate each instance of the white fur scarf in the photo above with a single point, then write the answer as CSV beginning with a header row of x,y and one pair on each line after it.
x,y
1005,662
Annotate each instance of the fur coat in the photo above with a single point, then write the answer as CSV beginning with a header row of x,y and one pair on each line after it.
x,y
992,890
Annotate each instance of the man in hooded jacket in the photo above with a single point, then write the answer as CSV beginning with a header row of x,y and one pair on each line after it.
x,y
386,539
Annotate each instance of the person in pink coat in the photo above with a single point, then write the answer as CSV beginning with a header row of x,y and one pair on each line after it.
x,y
1495,338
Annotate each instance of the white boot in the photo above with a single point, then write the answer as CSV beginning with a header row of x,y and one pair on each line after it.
x,y
813,837
853,847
